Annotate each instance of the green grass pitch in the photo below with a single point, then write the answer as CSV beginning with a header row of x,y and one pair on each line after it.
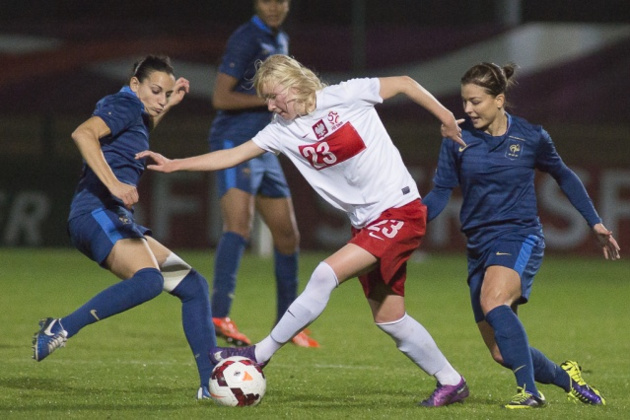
x,y
138,365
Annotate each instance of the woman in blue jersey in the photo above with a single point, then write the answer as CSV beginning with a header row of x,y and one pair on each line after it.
x,y
101,222
505,243
255,185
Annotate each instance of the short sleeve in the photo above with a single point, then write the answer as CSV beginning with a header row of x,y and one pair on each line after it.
x,y
269,138
240,51
119,112
366,89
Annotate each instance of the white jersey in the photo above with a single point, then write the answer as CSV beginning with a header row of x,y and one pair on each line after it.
x,y
344,152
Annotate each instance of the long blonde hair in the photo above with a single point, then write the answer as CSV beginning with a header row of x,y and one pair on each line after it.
x,y
286,71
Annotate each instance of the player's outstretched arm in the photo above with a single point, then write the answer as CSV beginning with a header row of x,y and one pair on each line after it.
x,y
221,159
608,243
392,86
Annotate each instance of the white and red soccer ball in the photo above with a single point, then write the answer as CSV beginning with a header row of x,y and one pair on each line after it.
x,y
237,381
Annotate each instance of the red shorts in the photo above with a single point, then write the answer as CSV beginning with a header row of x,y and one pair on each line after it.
x,y
392,238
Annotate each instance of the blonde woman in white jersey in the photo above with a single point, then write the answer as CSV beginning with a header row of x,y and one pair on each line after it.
x,y
336,139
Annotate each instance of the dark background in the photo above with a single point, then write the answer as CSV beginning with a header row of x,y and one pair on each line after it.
x,y
584,103
329,12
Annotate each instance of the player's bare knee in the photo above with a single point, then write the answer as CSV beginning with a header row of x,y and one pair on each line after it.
x,y
286,242
489,303
323,280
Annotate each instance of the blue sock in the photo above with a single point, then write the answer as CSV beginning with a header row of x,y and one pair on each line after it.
x,y
197,321
547,372
226,262
286,267
143,286
512,341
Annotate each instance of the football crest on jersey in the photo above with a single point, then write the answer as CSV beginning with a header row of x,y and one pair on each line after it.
x,y
514,148
333,119
320,130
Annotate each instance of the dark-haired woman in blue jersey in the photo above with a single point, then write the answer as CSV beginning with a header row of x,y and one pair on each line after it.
x,y
101,222
505,243
258,184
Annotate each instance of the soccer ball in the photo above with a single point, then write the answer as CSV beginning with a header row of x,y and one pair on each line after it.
x,y
237,381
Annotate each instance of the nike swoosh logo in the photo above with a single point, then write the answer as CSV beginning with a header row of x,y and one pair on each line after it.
x,y
217,356
48,330
374,236
503,253
518,368
93,313
462,148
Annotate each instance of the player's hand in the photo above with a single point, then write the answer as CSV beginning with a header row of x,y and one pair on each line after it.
x,y
453,131
162,164
126,193
608,243
182,87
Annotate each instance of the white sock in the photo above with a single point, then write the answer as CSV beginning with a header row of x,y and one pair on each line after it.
x,y
304,310
266,348
415,342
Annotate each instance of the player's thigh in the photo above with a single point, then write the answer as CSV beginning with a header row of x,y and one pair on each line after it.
x,y
237,211
279,217
512,262
278,213
130,255
501,286
160,251
273,199
351,261
113,239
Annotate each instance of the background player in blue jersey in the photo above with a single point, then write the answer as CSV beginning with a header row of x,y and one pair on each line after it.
x,y
101,222
505,243
258,184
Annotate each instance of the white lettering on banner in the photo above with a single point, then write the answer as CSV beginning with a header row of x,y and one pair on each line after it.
x,y
552,199
613,207
166,205
26,215
614,184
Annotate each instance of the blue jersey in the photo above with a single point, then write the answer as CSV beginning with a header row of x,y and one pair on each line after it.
x,y
125,116
250,42
496,176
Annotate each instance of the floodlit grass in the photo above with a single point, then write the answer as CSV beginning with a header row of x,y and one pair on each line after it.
x,y
138,364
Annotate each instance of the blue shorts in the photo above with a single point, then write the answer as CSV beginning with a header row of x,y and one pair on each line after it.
x,y
95,233
262,175
523,254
